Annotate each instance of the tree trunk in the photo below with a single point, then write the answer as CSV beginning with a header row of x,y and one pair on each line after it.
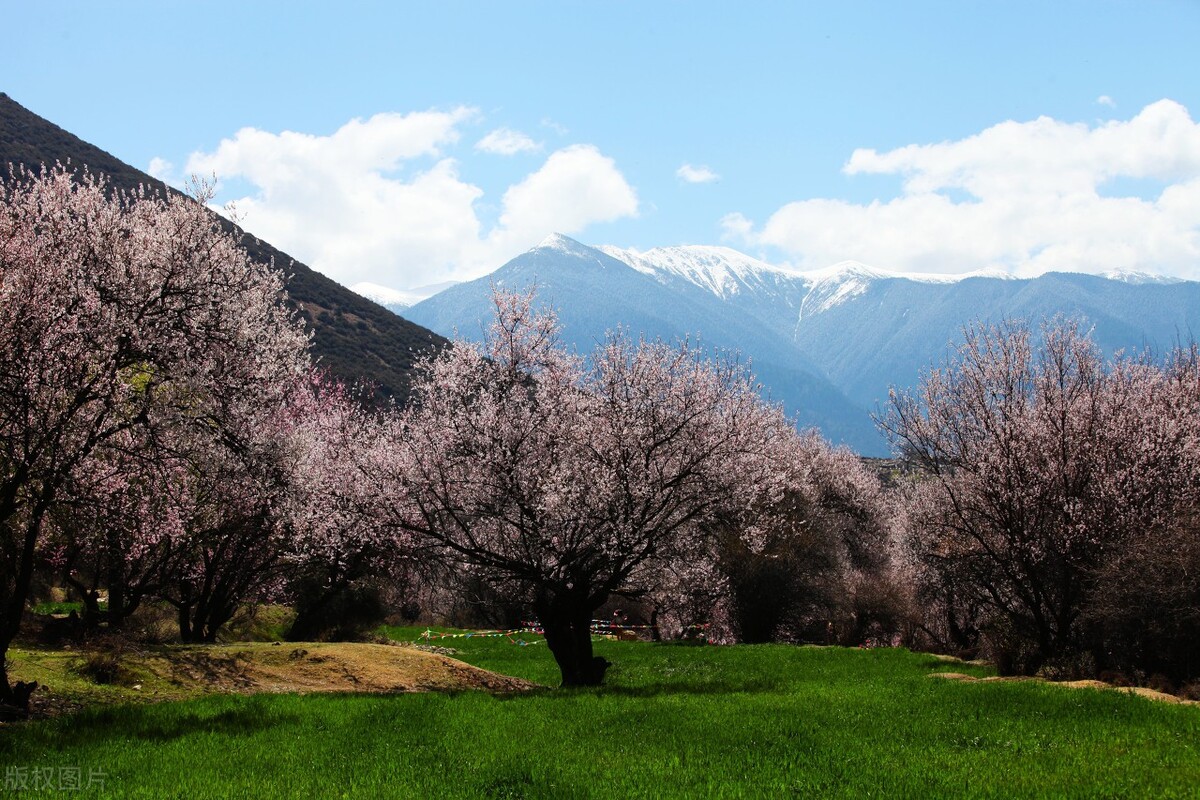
x,y
14,697
568,628
90,599
17,695
185,623
121,610
116,598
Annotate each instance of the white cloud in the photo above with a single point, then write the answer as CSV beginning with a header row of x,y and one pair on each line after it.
x,y
381,200
379,144
161,169
1105,100
736,226
574,188
561,130
701,174
1022,197
507,142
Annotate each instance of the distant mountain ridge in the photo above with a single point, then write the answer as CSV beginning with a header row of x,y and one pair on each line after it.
x,y
354,338
827,343
593,293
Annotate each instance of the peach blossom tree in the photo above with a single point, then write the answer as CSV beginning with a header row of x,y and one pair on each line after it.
x,y
118,312
569,480
1042,462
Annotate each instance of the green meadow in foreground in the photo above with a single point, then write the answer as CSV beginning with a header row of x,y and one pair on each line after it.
x,y
673,720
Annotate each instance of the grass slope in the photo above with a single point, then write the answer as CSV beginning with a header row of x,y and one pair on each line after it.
x,y
675,720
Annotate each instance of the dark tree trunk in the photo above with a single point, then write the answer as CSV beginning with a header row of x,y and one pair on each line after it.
x,y
200,624
117,612
208,630
16,696
91,603
209,615
200,620
567,624
185,623
121,610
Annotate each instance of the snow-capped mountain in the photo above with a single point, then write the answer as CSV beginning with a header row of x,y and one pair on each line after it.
x,y
828,343
398,300
721,270
594,293
1129,276
868,329
751,288
893,328
394,299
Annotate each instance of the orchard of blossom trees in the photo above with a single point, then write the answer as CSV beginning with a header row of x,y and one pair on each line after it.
x,y
165,438
166,441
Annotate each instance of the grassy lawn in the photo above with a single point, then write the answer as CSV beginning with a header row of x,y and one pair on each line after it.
x,y
674,720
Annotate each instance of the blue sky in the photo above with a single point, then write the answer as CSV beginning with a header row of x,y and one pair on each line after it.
x,y
605,106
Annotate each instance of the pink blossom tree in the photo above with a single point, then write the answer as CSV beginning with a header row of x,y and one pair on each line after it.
x,y
1041,463
573,480
823,552
115,528
231,542
116,310
209,517
341,553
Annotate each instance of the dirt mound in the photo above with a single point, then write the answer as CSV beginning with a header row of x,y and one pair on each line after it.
x,y
181,672
336,667
1084,684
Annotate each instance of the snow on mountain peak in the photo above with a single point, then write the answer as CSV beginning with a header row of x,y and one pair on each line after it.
x,y
836,284
397,299
857,270
557,241
833,285
843,270
386,296
1130,276
721,270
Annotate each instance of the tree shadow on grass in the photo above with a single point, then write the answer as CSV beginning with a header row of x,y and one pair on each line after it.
x,y
675,687
231,721
693,688
155,724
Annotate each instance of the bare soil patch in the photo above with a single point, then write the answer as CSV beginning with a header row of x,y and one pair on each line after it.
x,y
180,672
1084,684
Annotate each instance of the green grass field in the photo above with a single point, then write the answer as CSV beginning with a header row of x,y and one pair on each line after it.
x,y
673,721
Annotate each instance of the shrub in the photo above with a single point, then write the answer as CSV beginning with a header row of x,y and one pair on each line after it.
x,y
105,666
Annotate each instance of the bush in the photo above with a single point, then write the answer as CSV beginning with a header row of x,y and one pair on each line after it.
x,y
106,666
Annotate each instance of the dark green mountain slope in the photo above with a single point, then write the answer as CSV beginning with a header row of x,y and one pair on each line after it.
x,y
353,337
